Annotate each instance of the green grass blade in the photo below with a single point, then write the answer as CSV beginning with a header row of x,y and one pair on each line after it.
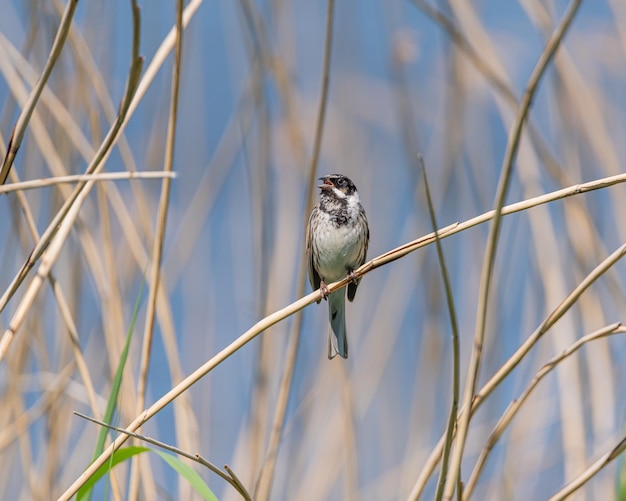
x,y
125,453
118,457
115,387
190,475
117,380
621,480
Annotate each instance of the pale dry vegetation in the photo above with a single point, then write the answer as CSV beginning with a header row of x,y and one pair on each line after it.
x,y
199,185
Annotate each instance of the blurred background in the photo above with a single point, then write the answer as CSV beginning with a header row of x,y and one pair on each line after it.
x,y
438,78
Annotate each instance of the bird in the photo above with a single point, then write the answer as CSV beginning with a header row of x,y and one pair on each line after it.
x,y
337,237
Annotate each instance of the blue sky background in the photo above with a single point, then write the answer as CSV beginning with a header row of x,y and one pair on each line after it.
x,y
234,243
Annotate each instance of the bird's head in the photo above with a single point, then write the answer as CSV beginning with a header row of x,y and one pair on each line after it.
x,y
337,184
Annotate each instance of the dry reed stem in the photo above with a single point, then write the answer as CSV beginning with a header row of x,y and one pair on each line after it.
x,y
96,81
518,356
78,178
147,78
590,472
49,245
157,249
22,123
75,134
11,431
77,197
382,260
56,288
49,257
295,461
581,103
266,476
515,405
121,206
473,370
229,477
59,296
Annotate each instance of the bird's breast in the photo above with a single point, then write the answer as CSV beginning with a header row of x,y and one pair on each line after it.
x,y
339,247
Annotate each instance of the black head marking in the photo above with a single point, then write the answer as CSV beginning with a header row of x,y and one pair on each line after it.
x,y
338,181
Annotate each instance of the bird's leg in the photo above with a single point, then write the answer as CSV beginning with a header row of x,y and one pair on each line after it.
x,y
324,289
353,278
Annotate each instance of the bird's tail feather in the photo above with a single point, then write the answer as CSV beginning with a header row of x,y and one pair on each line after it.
x,y
337,338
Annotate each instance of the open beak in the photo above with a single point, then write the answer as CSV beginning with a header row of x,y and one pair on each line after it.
x,y
327,184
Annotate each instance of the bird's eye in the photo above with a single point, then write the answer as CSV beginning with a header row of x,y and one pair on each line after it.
x,y
341,181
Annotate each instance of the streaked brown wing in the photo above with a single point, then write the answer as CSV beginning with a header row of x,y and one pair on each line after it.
x,y
314,278
353,286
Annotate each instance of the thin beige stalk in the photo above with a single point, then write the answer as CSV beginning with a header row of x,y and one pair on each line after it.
x,y
66,314
82,188
456,383
185,426
59,295
230,477
22,122
86,63
382,260
256,48
454,475
590,472
409,247
79,178
515,405
266,476
53,238
157,249
494,77
241,341
11,431
142,87
518,356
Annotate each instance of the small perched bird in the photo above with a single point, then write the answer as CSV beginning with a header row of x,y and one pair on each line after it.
x,y
336,244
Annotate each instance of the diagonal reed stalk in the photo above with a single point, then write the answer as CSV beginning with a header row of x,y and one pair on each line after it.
x,y
375,263
454,475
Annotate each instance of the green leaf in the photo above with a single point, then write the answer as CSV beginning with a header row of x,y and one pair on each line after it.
x,y
190,475
117,380
115,387
118,457
125,453
621,482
